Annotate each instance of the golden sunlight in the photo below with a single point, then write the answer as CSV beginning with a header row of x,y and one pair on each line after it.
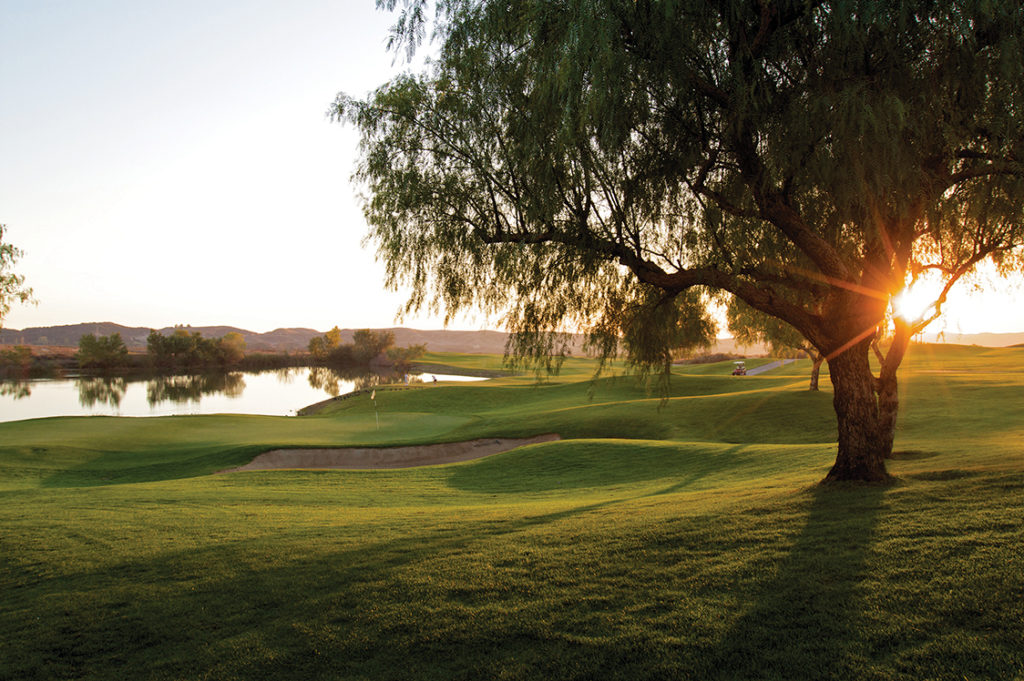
x,y
986,303
917,300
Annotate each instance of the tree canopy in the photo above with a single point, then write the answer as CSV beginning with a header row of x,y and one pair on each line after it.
x,y
365,347
101,352
184,350
12,285
601,164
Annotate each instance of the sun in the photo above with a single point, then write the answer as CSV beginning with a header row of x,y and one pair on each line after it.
x,y
916,301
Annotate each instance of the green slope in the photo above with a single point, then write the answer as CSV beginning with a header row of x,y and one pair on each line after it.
x,y
676,538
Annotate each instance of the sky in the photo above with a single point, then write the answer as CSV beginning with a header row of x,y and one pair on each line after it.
x,y
173,163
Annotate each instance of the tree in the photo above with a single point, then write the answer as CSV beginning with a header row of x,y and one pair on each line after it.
x,y
231,348
332,338
184,350
178,350
809,157
367,345
321,347
402,358
750,326
12,286
317,348
101,352
15,362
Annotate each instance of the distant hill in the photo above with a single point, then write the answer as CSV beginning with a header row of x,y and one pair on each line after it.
x,y
135,336
278,340
989,340
68,334
297,339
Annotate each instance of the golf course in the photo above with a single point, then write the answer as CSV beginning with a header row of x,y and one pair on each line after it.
x,y
678,537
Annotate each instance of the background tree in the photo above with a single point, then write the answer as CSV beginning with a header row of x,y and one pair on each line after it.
x,y
809,157
15,363
402,358
321,347
184,350
178,350
101,352
749,327
367,345
12,285
231,348
316,348
332,338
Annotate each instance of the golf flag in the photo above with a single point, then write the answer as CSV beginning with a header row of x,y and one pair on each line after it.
x,y
373,395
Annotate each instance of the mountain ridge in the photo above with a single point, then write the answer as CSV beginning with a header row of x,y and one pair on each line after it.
x,y
285,339
292,339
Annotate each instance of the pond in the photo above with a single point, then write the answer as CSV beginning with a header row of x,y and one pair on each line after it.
x,y
281,392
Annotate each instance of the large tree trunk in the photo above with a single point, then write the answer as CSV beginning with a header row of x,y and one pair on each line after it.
x,y
863,441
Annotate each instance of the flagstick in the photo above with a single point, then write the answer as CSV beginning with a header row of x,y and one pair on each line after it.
x,y
376,414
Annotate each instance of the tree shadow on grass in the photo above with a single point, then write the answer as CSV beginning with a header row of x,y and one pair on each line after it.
x,y
481,598
218,612
804,620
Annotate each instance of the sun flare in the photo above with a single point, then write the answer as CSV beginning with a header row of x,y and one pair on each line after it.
x,y
916,301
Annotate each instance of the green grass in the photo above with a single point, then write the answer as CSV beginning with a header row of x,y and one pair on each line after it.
x,y
683,538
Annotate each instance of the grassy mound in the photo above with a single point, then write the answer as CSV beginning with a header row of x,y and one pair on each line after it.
x,y
676,538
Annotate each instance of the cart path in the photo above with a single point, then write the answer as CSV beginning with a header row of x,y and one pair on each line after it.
x,y
363,458
768,367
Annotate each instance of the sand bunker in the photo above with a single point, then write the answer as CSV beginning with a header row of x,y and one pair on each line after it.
x,y
386,457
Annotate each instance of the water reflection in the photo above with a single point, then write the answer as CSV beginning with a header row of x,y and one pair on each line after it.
x,y
183,389
271,392
191,388
15,389
101,390
322,378
286,376
332,380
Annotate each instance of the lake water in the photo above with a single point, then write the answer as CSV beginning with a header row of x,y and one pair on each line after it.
x,y
280,392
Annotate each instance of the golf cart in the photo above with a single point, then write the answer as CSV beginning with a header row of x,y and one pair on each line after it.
x,y
739,369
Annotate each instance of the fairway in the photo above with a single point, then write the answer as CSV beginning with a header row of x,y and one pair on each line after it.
x,y
661,538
